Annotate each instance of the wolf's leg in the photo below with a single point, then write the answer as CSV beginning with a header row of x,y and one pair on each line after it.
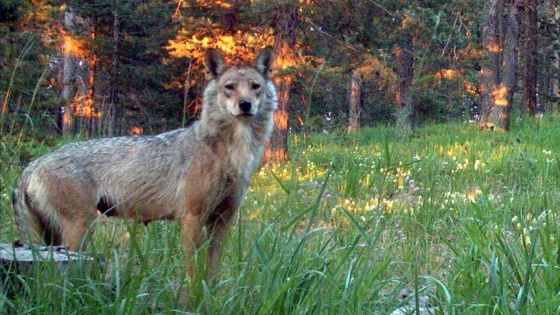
x,y
192,230
75,231
217,228
58,208
218,231
76,213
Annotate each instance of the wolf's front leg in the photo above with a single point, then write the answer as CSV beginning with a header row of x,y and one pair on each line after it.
x,y
217,225
192,230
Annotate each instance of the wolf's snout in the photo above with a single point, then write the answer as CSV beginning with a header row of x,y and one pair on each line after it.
x,y
245,106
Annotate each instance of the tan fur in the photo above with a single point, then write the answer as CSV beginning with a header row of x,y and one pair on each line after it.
x,y
196,175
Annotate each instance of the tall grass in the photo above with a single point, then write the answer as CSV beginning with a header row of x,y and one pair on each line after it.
x,y
353,224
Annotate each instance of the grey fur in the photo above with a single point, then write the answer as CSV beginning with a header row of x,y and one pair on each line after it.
x,y
197,175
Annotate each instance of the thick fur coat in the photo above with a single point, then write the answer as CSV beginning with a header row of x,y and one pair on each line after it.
x,y
197,175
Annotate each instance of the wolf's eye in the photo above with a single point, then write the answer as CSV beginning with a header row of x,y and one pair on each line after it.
x,y
255,86
229,87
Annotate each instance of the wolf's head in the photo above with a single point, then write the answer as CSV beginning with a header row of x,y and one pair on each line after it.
x,y
239,91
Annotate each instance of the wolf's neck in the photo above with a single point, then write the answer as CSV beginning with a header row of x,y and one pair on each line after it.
x,y
234,146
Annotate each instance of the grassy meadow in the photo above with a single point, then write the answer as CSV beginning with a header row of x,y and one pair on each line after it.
x,y
450,220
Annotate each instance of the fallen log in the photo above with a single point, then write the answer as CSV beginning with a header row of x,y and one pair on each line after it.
x,y
19,262
25,255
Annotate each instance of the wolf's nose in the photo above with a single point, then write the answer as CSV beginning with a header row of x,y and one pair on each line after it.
x,y
245,106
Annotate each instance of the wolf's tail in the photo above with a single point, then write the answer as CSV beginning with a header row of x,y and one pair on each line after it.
x,y
28,221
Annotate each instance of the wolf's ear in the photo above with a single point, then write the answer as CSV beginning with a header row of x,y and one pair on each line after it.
x,y
215,64
264,62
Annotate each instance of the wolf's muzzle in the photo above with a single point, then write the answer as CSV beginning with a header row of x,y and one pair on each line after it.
x,y
245,106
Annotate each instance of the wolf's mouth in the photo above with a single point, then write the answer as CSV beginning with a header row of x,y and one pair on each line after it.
x,y
243,115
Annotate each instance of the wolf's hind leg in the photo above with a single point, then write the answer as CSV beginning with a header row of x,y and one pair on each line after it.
x,y
74,233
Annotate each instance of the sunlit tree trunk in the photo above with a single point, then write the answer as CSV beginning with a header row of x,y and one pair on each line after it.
x,y
65,117
530,65
284,26
90,98
499,112
490,71
355,100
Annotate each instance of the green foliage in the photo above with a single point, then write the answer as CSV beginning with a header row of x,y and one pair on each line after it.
x,y
362,223
10,10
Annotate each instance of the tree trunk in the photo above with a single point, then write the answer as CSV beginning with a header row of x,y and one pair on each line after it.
x,y
284,25
405,75
90,98
490,71
65,117
355,101
530,65
554,104
114,112
499,116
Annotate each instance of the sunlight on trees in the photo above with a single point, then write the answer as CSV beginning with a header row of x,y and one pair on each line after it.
x,y
238,47
499,96
72,46
431,61
494,48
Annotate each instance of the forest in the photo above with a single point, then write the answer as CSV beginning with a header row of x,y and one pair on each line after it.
x,y
416,161
106,68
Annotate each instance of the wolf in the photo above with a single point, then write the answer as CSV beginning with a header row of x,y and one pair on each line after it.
x,y
197,175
